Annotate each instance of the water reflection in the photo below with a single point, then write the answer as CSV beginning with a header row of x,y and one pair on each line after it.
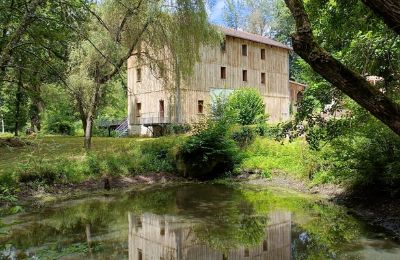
x,y
192,221
170,238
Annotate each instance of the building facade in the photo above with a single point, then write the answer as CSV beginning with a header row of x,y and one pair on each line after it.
x,y
169,238
243,60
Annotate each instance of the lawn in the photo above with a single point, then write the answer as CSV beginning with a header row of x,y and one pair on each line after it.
x,y
52,147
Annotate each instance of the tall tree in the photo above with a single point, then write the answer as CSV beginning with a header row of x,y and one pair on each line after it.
x,y
163,35
347,80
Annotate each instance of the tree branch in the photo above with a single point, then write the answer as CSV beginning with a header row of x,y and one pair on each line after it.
x,y
351,83
388,10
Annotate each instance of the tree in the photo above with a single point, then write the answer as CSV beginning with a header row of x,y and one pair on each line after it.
x,y
36,32
334,71
248,106
37,25
163,35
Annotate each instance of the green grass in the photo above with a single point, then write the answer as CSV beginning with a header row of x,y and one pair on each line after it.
x,y
50,148
269,156
59,159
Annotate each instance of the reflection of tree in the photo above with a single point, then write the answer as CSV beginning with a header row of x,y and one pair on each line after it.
x,y
221,217
327,227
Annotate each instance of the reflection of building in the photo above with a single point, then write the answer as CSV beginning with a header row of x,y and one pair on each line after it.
x,y
168,238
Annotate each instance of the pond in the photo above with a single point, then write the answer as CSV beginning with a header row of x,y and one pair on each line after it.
x,y
192,221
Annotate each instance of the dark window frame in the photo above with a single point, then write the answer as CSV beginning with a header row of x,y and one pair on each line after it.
x,y
263,54
200,106
138,109
138,75
244,50
223,72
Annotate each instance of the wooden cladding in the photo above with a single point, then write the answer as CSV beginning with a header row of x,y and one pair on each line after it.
x,y
223,72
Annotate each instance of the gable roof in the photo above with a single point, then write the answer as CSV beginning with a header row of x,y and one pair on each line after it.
x,y
252,37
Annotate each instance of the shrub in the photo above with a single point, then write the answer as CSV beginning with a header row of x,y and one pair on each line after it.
x,y
61,127
208,153
248,106
178,128
243,136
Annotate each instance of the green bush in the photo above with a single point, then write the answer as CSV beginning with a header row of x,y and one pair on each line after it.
x,y
243,136
178,128
208,153
61,127
248,105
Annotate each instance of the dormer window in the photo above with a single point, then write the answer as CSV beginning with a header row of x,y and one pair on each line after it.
x,y
244,50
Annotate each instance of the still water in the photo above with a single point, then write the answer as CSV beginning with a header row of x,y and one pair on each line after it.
x,y
192,221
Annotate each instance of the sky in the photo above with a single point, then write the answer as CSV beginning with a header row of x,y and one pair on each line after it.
x,y
215,13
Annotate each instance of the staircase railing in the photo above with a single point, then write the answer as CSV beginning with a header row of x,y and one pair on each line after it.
x,y
122,129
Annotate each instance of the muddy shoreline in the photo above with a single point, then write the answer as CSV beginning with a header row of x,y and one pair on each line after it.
x,y
380,212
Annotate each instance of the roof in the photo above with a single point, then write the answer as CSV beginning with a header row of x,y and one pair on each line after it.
x,y
252,37
297,83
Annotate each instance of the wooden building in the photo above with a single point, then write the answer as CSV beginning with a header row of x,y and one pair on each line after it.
x,y
152,236
242,60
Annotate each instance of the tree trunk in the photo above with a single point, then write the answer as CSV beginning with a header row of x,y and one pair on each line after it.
x,y
2,124
351,83
389,10
18,101
178,93
36,109
91,114
88,133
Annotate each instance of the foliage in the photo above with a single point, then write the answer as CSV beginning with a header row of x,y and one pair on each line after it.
x,y
247,105
243,136
209,152
178,128
268,156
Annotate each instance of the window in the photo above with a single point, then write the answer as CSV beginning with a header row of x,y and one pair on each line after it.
x,y
138,112
262,78
246,252
223,46
162,227
200,106
224,257
223,72
162,231
263,54
244,75
161,105
138,75
140,254
265,245
244,50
